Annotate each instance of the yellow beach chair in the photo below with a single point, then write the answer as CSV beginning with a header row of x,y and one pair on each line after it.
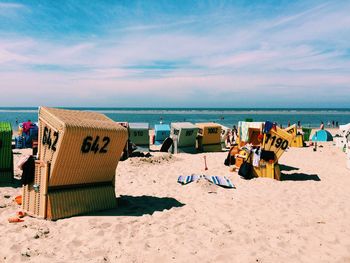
x,y
298,138
78,155
209,137
276,140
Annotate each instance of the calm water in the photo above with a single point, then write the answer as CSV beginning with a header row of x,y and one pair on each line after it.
x,y
227,117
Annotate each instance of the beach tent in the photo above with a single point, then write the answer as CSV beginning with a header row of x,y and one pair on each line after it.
x,y
162,131
184,135
77,158
139,135
322,136
6,160
209,137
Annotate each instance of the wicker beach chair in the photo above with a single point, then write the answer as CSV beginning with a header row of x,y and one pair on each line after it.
x,y
184,135
139,135
161,132
78,153
277,141
6,157
209,137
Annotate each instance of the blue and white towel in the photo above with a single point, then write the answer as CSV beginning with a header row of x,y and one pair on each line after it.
x,y
185,179
220,180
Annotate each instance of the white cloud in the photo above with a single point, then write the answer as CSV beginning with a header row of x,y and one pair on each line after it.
x,y
301,54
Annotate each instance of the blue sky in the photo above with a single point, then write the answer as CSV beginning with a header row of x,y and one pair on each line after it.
x,y
175,53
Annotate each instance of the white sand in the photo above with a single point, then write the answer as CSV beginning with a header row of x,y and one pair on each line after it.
x,y
158,220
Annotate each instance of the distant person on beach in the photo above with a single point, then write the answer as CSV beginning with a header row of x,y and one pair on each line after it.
x,y
333,124
229,138
298,124
329,124
336,124
322,126
234,133
288,123
26,126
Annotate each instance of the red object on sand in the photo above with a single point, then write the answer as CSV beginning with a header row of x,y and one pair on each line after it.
x,y
18,199
15,219
205,163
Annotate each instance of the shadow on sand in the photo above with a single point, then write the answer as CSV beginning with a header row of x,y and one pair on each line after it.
x,y
139,206
288,168
299,177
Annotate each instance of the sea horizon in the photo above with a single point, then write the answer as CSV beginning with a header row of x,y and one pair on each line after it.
x,y
309,117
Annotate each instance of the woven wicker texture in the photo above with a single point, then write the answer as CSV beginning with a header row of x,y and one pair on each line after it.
x,y
6,160
78,154
210,132
139,133
267,170
186,133
70,202
73,157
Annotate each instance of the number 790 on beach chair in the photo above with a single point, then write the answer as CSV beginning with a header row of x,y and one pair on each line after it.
x,y
77,158
277,141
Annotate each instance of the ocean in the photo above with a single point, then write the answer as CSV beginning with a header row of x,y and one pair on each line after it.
x,y
225,116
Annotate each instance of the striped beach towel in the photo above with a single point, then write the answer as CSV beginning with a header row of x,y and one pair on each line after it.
x,y
185,179
220,180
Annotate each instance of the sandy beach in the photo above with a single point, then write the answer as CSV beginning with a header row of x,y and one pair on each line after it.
x,y
304,218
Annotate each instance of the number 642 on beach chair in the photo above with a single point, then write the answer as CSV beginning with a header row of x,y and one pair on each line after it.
x,y
77,158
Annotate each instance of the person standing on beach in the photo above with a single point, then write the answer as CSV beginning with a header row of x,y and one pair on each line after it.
x,y
322,126
336,124
298,124
288,123
234,134
333,124
26,127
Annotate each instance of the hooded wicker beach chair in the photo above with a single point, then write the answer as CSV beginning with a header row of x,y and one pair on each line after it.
x,y
209,137
275,141
139,135
161,132
6,157
77,158
184,135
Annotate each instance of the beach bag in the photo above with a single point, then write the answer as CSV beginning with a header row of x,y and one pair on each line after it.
x,y
230,159
246,171
28,171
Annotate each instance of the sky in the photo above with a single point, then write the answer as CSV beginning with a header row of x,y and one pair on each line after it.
x,y
175,53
